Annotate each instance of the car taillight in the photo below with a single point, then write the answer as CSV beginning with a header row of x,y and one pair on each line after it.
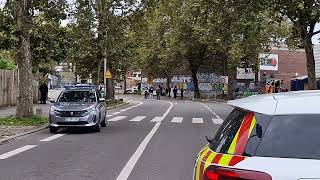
x,y
222,173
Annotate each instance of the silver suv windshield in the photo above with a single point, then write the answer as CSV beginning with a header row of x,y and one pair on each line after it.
x,y
78,96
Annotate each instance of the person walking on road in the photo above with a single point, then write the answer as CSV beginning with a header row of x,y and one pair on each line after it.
x,y
175,91
146,93
151,92
43,93
182,90
158,91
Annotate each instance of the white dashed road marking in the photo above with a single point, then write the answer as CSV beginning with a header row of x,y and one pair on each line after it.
x,y
217,121
16,151
218,117
197,120
126,171
116,113
177,119
158,119
138,118
118,118
52,137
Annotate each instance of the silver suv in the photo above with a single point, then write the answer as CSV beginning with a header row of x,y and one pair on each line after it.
x,y
80,106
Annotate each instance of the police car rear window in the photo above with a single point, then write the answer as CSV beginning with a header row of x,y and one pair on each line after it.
x,y
291,136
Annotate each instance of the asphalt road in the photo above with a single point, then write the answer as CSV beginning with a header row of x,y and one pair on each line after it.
x,y
145,140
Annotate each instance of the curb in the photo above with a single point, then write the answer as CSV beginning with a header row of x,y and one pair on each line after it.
x,y
4,140
122,104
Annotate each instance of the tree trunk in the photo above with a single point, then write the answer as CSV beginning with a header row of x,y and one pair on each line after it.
x,y
312,81
124,83
168,82
110,89
25,89
232,79
110,85
96,77
195,83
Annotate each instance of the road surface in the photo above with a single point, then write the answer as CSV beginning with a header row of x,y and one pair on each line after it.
x,y
145,140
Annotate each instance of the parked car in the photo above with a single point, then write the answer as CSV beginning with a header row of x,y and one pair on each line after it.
x,y
265,137
133,90
78,106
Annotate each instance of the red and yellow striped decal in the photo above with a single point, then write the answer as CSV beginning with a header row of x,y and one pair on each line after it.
x,y
240,141
207,157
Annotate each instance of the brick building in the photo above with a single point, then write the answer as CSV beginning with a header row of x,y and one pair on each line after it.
x,y
290,65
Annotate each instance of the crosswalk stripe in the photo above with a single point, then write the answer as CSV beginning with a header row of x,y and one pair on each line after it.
x,y
177,119
138,118
157,119
217,121
118,118
197,120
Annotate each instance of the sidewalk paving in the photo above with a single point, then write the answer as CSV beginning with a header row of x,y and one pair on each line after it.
x,y
10,131
12,110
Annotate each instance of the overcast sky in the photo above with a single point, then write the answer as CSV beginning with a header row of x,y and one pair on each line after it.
x,y
315,38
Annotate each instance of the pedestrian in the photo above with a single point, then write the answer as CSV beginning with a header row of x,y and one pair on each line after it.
x,y
175,91
182,90
169,91
161,90
146,93
166,91
43,93
158,91
151,92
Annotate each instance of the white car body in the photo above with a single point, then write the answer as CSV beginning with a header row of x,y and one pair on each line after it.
x,y
291,104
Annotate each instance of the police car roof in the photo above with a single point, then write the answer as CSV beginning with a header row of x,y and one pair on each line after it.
x,y
80,86
296,102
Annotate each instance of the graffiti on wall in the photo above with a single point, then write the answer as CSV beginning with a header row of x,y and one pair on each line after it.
x,y
210,82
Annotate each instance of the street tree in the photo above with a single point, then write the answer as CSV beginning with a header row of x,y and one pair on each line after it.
x,y
24,13
304,14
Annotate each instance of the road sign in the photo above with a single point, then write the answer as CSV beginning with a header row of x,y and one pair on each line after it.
x,y
108,74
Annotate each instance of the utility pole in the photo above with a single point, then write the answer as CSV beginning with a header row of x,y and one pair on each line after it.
x,y
104,75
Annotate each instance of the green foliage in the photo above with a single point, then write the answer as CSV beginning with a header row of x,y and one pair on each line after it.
x,y
7,60
49,41
13,121
304,15
4,64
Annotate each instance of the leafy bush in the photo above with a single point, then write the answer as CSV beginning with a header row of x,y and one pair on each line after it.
x,y
7,65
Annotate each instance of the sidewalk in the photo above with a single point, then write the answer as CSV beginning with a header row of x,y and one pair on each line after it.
x,y
12,110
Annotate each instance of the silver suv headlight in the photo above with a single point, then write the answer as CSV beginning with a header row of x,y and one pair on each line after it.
x,y
53,110
89,111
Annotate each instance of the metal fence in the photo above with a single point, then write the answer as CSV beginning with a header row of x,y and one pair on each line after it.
x,y
9,88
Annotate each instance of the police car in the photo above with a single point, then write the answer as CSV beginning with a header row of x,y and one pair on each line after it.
x,y
78,106
266,137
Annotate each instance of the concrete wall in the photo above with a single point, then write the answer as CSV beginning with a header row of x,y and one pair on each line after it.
x,y
9,88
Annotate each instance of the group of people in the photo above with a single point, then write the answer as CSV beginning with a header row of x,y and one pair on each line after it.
x,y
159,92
